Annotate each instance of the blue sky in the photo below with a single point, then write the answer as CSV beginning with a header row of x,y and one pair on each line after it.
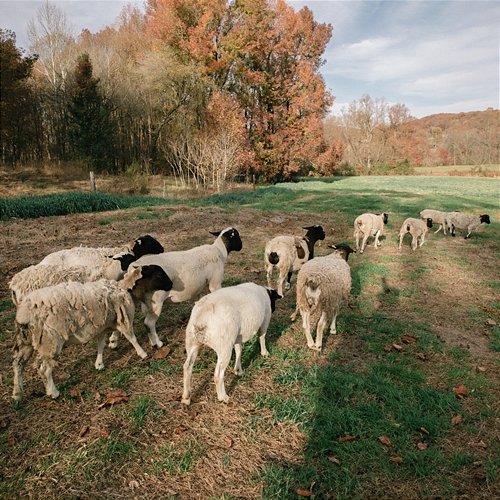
x,y
434,56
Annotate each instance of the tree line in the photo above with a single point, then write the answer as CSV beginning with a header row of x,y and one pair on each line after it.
x,y
206,90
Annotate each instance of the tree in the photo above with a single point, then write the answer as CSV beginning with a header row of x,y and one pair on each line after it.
x,y
92,127
17,103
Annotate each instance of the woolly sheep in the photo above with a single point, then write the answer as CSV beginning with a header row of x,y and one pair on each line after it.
x,y
437,216
50,318
367,225
417,228
459,220
223,320
323,286
191,271
110,262
39,276
288,254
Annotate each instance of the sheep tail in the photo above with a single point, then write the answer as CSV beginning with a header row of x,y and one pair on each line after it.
x,y
312,292
408,228
273,258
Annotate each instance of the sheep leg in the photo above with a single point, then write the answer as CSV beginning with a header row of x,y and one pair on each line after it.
x,y
238,370
422,239
22,354
269,274
439,229
289,280
152,311
306,325
130,336
356,239
363,243
223,359
293,317
468,234
101,342
45,371
320,329
262,339
377,243
281,282
192,353
414,243
401,236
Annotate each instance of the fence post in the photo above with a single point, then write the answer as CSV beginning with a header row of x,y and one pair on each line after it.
x,y
92,181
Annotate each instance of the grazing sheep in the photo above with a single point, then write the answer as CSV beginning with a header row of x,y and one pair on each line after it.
x,y
367,225
459,220
191,271
39,276
111,261
323,286
417,228
75,313
223,320
437,216
288,254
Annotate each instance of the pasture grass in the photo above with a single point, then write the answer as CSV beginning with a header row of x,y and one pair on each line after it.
x,y
415,329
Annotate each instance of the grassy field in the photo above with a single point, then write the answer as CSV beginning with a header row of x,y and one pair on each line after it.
x,y
467,170
403,402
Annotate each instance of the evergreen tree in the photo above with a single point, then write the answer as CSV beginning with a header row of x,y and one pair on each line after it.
x,y
93,129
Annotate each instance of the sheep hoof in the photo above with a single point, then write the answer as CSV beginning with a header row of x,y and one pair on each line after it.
x,y
159,343
239,372
54,394
265,354
186,401
113,344
311,346
287,286
224,399
99,366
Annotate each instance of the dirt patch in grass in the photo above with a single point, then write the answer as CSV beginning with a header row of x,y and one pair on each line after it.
x,y
74,448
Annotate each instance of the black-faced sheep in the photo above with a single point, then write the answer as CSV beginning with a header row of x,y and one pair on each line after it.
x,y
288,254
224,320
459,220
417,228
74,313
367,225
323,286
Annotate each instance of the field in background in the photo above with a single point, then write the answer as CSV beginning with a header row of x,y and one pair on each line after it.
x,y
380,413
467,170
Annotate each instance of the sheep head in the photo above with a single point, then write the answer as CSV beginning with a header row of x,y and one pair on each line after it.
x,y
231,239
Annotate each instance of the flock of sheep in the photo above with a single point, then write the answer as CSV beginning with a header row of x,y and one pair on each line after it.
x,y
82,294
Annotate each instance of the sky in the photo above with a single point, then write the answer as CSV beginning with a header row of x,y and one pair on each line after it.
x,y
433,56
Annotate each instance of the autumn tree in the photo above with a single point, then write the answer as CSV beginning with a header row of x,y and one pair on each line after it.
x,y
92,128
17,103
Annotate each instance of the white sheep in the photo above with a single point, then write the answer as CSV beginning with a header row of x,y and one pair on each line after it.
x,y
417,228
437,216
190,271
39,276
109,262
223,320
323,286
288,254
367,225
49,318
459,220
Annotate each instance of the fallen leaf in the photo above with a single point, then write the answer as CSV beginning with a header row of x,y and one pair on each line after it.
x,y
421,355
385,440
397,347
397,460
409,339
180,429
192,415
422,446
162,353
4,422
480,444
11,441
75,393
424,430
491,322
84,430
228,442
114,397
335,460
97,396
133,485
346,438
461,391
457,419
105,432
388,348
303,493
480,369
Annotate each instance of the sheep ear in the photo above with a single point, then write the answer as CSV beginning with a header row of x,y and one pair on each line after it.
x,y
215,233
133,275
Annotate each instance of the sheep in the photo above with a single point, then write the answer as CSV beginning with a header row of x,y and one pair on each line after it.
x,y
39,276
112,261
437,216
323,286
74,313
459,220
191,271
417,228
367,225
223,320
288,254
